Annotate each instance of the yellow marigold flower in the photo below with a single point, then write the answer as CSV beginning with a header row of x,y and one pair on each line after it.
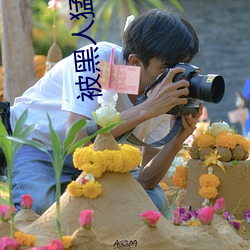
x,y
92,189
114,160
97,162
94,169
208,192
206,141
117,165
99,158
83,156
28,240
164,186
67,242
226,140
131,157
75,189
193,223
209,180
180,177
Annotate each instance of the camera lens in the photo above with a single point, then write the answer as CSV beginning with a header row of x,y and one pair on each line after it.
x,y
209,88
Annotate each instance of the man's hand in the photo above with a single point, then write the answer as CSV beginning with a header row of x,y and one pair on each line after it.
x,y
167,94
188,125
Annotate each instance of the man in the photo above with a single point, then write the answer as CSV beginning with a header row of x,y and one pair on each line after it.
x,y
154,41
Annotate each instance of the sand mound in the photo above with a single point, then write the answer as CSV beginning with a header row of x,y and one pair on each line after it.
x,y
117,224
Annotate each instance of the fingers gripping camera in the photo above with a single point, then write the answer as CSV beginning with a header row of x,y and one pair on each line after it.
x,y
209,88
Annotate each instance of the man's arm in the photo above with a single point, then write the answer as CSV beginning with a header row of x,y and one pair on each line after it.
x,y
163,98
152,172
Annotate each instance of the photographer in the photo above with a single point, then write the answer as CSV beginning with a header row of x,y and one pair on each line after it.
x,y
154,41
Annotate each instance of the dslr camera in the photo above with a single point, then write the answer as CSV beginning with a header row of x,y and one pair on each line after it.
x,y
209,88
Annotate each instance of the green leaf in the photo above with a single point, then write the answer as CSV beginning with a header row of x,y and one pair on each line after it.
x,y
71,136
238,205
23,134
35,144
172,207
5,144
20,123
28,130
56,147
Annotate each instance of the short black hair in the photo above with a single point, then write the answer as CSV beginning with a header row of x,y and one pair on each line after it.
x,y
161,34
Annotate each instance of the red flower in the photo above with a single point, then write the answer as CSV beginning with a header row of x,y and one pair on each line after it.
x,y
8,243
206,215
5,212
86,218
219,206
150,217
26,201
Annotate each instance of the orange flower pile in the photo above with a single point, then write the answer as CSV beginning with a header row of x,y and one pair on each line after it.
x,y
224,139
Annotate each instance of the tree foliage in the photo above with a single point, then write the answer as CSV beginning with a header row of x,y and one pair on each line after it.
x,y
42,20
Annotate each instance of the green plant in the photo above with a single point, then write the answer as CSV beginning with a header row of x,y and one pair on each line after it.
x,y
9,149
42,20
60,152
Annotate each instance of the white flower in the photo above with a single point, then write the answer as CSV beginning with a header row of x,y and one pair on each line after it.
x,y
105,116
217,127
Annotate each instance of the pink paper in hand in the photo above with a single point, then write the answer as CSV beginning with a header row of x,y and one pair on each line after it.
x,y
122,78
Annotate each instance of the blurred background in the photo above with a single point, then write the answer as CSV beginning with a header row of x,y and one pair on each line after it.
x,y
27,35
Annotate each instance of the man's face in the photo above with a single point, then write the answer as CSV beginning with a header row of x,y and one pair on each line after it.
x,y
149,75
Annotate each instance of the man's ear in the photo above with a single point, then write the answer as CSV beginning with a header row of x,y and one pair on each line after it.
x,y
134,60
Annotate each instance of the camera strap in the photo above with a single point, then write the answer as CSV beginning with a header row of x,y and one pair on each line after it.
x,y
131,138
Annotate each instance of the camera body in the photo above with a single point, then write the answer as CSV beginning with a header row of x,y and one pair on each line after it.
x,y
209,88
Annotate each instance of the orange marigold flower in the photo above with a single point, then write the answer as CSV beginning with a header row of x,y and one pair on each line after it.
x,y
242,141
206,141
209,180
208,192
225,139
164,186
24,239
67,242
180,177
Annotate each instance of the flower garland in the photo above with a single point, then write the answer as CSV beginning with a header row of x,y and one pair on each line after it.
x,y
98,162
208,186
95,163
